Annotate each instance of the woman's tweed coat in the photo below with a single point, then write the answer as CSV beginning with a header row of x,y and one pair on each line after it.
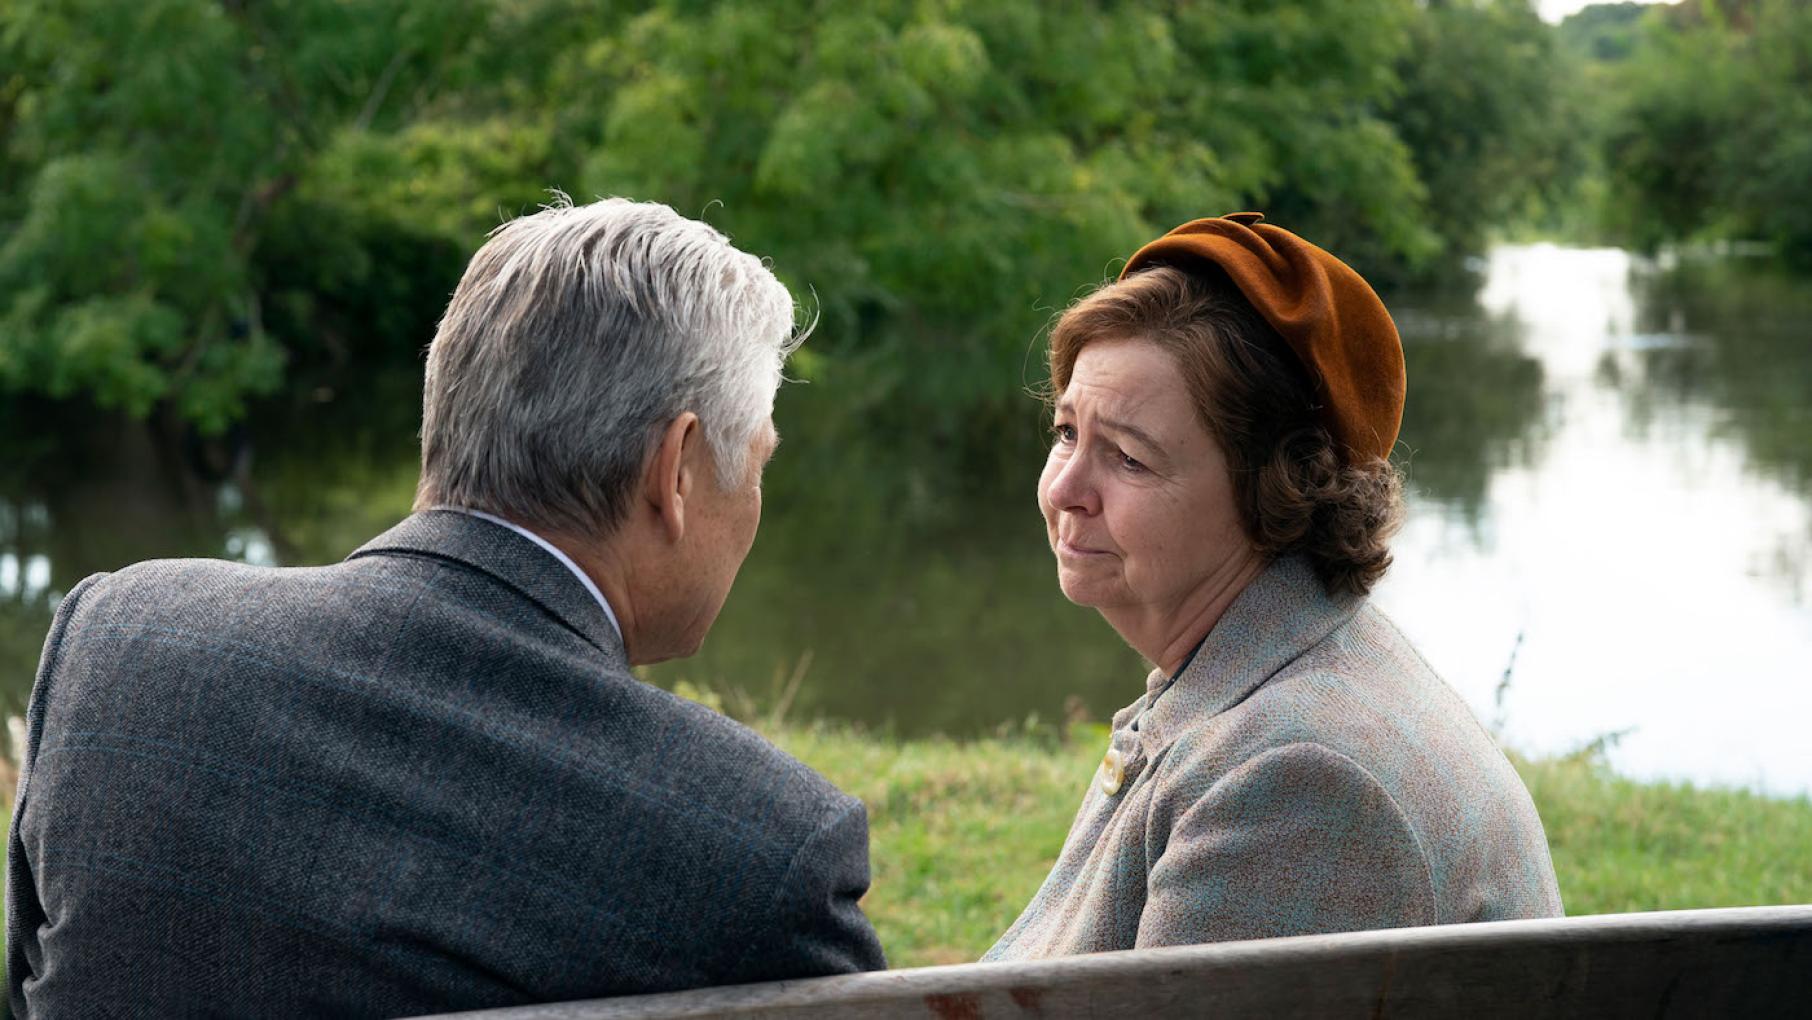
x,y
1308,772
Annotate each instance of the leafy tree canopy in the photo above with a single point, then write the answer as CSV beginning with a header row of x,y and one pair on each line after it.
x,y
198,192
1708,131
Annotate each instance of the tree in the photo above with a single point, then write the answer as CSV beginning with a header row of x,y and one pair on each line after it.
x,y
159,136
1712,134
1485,110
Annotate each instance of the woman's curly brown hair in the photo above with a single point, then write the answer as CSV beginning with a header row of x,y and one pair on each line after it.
x,y
1296,493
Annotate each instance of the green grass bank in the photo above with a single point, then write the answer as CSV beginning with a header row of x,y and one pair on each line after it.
x,y
962,833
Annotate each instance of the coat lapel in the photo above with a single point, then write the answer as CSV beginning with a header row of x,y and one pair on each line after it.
x,y
1284,612
474,542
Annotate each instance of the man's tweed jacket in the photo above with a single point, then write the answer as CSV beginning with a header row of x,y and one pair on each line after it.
x,y
423,779
1307,772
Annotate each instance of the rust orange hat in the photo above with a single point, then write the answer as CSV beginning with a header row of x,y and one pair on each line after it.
x,y
1324,310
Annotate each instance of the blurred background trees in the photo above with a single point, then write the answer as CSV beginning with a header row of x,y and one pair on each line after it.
x,y
201,201
1710,127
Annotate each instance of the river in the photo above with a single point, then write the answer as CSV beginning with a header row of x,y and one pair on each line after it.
x,y
1609,543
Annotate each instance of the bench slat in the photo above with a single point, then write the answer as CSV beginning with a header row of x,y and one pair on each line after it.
x,y
1752,961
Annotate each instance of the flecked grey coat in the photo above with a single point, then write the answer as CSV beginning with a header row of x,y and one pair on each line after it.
x,y
1307,772
417,781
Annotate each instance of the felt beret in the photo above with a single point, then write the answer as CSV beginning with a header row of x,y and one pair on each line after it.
x,y
1327,314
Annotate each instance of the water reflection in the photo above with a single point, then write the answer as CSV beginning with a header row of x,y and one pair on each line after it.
x,y
1732,337
933,615
1651,556
1609,462
1475,402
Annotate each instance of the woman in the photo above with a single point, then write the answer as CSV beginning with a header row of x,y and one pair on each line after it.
x,y
1218,488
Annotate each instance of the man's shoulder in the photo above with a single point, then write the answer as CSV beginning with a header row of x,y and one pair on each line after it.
x,y
165,582
149,575
716,755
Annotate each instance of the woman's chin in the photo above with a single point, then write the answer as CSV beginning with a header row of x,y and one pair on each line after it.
x,y
1083,591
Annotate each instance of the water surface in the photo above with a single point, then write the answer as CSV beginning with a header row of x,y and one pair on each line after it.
x,y
1638,557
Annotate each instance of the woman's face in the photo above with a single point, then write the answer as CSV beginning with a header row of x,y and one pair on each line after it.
x,y
1137,500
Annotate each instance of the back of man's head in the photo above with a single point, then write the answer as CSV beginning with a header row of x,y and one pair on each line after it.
x,y
576,335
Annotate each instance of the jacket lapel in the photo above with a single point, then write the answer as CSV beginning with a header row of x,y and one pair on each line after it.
x,y
474,542
1284,612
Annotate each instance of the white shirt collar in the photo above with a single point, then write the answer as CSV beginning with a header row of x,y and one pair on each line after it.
x,y
584,579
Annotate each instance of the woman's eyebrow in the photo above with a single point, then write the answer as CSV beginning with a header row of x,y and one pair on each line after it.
x,y
1132,430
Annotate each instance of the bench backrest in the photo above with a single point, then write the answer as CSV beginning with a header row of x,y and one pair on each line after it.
x,y
1753,961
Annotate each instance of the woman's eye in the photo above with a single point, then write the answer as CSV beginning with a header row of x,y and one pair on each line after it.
x,y
1063,433
1130,464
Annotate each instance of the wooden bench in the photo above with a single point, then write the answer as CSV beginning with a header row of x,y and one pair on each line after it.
x,y
1746,962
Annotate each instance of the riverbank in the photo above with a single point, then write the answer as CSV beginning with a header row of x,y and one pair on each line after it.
x,y
962,833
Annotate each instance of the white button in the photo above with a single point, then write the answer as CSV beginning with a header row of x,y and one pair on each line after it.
x,y
1113,771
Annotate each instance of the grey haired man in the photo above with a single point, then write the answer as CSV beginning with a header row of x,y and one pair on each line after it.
x,y
424,779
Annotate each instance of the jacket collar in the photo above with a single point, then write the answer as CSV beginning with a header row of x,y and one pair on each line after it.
x,y
457,537
1284,612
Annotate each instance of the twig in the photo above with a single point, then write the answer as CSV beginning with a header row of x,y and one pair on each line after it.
x,y
1500,711
784,703
375,101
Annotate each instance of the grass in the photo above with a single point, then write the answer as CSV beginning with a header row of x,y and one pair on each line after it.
x,y
1622,845
962,834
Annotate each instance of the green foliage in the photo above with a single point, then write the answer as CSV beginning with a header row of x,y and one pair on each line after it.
x,y
153,141
1494,135
1604,33
1710,130
203,197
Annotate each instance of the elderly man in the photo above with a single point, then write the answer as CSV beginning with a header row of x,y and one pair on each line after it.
x,y
424,778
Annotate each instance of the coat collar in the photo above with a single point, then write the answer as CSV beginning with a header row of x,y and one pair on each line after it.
x,y
1284,612
457,537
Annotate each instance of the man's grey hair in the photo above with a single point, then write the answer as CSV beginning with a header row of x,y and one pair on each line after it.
x,y
575,337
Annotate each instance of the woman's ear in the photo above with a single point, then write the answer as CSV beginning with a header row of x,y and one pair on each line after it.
x,y
670,475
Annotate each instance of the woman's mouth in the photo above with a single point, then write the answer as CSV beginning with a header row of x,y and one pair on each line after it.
x,y
1065,547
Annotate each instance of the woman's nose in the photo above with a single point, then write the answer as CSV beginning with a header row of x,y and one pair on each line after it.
x,y
1070,487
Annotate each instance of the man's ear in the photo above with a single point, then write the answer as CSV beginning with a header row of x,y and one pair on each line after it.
x,y
671,473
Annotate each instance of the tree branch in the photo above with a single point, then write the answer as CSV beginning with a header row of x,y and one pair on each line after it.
x,y
375,101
